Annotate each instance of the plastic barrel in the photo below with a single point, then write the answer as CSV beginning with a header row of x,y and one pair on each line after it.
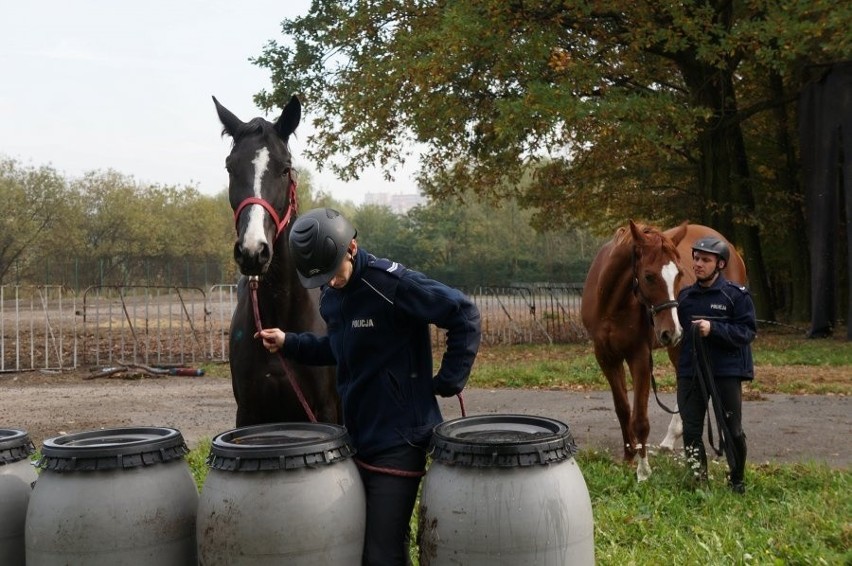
x,y
505,490
121,496
285,493
16,478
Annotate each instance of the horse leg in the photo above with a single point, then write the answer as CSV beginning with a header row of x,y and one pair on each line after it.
x,y
675,430
614,372
640,426
673,433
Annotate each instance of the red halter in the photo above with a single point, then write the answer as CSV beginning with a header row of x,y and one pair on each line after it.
x,y
281,223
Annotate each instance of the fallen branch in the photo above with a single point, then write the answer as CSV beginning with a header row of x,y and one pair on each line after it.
x,y
124,367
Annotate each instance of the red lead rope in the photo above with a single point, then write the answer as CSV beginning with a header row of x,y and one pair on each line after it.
x,y
298,390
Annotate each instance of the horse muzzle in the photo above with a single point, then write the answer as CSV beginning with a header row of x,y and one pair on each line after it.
x,y
253,260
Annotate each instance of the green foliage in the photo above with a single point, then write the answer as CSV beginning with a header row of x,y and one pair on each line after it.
x,y
588,113
35,200
469,242
611,97
197,461
114,227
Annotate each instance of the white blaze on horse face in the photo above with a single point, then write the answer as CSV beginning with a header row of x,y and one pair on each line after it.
x,y
669,273
255,235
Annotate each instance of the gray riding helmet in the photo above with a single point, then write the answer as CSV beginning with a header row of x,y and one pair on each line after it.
x,y
318,242
713,246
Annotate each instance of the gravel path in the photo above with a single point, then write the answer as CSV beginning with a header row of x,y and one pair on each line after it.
x,y
780,428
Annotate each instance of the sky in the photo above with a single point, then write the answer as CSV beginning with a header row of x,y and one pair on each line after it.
x,y
99,84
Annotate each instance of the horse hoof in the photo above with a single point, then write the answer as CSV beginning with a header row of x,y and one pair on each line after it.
x,y
643,470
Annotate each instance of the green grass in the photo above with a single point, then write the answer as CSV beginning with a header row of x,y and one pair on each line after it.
x,y
791,514
783,364
197,460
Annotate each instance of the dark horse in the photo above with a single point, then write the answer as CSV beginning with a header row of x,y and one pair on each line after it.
x,y
629,307
262,192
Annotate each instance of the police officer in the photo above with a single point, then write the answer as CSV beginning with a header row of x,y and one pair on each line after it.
x,y
378,314
723,318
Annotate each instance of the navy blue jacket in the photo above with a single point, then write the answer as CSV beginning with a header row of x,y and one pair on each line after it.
x,y
378,335
733,327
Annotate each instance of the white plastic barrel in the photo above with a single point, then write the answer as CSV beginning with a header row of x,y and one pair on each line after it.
x,y
285,493
112,497
505,490
17,475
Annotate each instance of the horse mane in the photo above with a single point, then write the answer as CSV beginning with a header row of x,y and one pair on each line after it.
x,y
253,127
623,237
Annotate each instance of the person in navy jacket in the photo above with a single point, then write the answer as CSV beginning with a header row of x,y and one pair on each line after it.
x,y
378,314
722,313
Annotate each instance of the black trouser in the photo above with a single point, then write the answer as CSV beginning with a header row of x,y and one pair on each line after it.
x,y
693,409
390,502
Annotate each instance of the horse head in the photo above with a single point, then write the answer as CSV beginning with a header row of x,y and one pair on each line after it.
x,y
262,186
657,275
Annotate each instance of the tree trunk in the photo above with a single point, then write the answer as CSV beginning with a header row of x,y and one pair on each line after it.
x,y
799,255
723,174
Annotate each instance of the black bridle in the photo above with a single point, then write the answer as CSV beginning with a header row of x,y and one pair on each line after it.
x,y
652,312
643,299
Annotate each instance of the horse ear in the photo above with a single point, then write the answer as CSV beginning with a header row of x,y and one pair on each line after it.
x,y
679,233
638,236
229,121
290,118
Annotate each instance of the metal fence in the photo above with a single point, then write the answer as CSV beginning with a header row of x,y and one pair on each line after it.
x,y
529,314
54,328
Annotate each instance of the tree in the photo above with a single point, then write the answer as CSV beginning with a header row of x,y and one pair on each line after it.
x,y
33,201
627,109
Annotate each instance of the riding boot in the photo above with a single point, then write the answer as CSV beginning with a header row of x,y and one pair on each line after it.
x,y
696,460
736,480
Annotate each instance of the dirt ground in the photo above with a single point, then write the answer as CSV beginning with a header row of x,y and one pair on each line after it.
x,y
780,428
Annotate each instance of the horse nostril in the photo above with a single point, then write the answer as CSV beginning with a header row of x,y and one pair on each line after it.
x,y
264,254
238,254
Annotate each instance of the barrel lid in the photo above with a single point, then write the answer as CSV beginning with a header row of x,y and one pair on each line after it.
x,y
502,441
279,446
15,445
110,449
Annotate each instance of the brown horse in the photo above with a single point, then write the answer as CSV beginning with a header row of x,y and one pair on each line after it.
x,y
629,307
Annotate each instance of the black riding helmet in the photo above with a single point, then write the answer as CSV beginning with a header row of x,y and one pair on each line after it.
x,y
318,241
713,246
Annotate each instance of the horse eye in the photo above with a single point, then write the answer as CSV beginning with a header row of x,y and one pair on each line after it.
x,y
649,278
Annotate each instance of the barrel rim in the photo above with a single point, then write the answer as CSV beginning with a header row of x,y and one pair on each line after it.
x,y
15,445
555,444
112,448
228,455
